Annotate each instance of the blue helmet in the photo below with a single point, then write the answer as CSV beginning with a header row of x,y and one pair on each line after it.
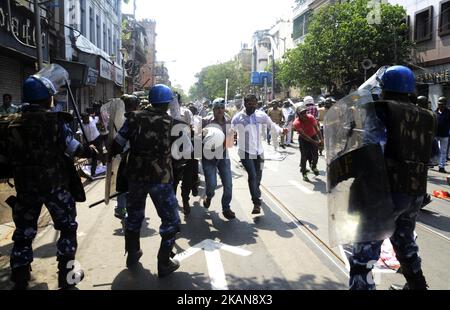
x,y
160,94
398,79
34,89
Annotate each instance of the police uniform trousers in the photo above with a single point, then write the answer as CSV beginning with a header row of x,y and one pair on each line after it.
x,y
366,254
166,205
61,207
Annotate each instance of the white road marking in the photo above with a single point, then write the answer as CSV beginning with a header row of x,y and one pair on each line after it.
x,y
213,260
301,187
433,231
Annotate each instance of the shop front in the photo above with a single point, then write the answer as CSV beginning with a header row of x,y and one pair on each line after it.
x,y
434,83
17,48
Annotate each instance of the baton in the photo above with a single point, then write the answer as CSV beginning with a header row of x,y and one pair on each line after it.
x,y
76,111
103,200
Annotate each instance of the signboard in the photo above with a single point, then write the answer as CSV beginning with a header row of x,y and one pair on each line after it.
x,y
436,75
106,69
22,27
119,75
91,76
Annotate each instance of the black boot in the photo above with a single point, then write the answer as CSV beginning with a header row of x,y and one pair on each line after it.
x,y
165,263
20,276
68,278
415,280
133,247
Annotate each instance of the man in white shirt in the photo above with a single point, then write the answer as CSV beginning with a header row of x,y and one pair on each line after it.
x,y
94,137
248,123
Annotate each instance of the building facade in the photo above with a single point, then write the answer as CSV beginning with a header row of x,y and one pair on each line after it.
x,y
429,22
92,49
18,45
147,72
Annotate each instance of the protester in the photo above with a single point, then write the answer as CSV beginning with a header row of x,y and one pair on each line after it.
x,y
248,123
7,107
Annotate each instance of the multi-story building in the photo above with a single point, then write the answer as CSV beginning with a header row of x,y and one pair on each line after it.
x,y
18,45
92,49
430,30
244,58
261,49
147,74
162,74
301,13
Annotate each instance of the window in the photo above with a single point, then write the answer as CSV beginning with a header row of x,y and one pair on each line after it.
x,y
114,51
109,42
99,35
105,39
423,25
444,18
301,25
83,17
91,25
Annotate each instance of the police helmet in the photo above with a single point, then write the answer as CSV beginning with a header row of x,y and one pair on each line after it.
x,y
160,94
442,100
301,108
422,101
218,102
37,89
398,79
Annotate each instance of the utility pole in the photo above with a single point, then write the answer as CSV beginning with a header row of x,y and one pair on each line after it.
x,y
38,38
134,46
226,91
273,74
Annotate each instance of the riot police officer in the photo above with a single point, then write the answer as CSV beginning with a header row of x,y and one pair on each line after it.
x,y
38,143
149,171
409,133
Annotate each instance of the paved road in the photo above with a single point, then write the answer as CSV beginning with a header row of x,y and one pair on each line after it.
x,y
287,248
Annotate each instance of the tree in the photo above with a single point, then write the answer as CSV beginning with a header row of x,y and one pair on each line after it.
x,y
339,39
211,81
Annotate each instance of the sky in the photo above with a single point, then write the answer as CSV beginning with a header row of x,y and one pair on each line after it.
x,y
193,34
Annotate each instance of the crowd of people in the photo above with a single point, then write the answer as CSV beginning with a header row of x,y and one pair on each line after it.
x,y
145,144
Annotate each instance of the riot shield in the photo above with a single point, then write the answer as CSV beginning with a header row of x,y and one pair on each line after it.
x,y
54,77
113,114
359,201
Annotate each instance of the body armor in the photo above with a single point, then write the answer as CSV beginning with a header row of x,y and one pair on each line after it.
x,y
150,159
411,130
36,155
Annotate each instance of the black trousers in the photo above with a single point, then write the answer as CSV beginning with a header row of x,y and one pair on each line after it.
x,y
308,152
98,143
188,175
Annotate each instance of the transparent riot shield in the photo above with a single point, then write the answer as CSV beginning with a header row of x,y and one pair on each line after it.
x,y
54,77
359,202
112,114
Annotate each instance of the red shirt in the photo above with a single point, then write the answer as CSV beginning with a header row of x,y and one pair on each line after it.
x,y
308,126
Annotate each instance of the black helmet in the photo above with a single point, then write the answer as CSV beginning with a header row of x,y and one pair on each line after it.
x,y
422,101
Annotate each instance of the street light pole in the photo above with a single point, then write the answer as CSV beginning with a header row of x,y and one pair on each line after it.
x,y
273,74
37,13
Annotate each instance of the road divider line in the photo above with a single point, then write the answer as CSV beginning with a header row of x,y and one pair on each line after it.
x,y
301,187
432,231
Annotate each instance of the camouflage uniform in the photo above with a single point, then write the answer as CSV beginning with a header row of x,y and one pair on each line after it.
x,y
149,171
37,143
406,164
